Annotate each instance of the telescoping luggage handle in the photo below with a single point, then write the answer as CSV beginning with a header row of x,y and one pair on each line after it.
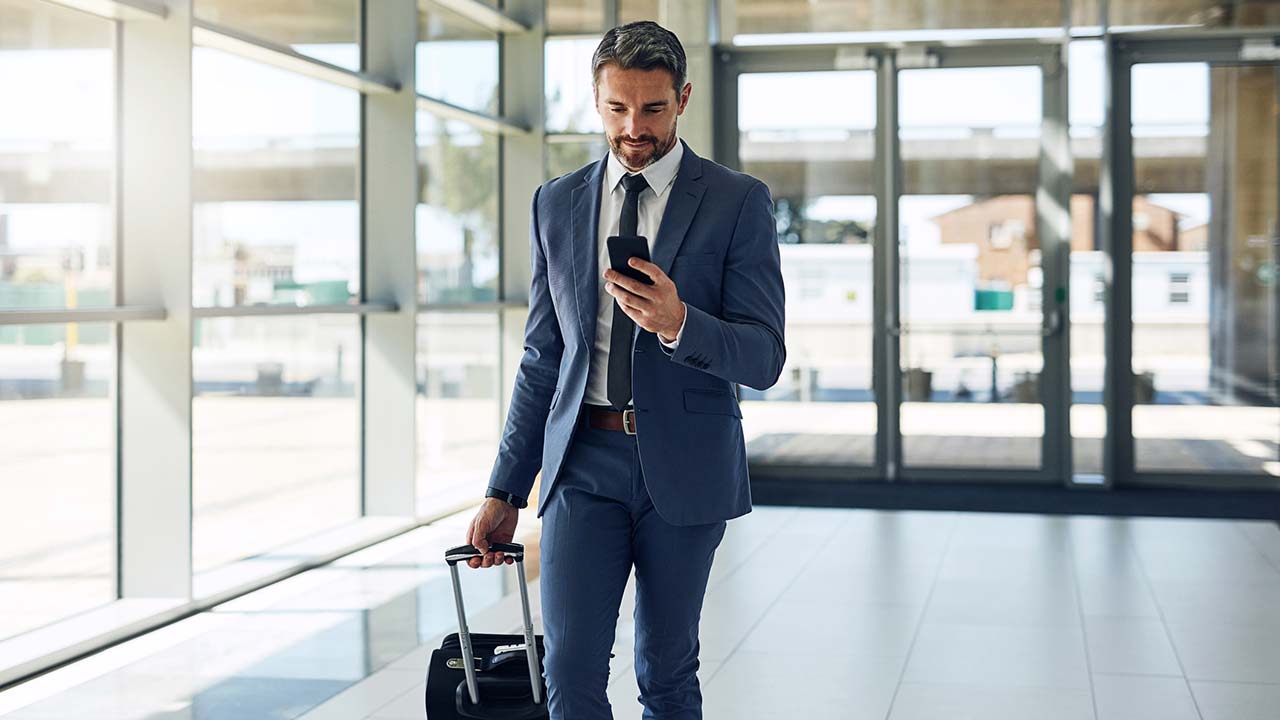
x,y
515,550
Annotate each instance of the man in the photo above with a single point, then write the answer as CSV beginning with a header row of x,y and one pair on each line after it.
x,y
648,481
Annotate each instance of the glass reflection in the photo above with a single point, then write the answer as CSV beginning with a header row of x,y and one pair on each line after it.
x,y
1206,348
276,218
457,214
447,42
57,78
457,407
276,432
970,264
810,137
57,488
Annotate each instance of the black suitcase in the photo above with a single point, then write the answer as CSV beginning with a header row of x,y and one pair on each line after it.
x,y
504,680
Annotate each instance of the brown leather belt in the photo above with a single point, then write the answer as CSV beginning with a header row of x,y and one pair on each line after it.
x,y
609,419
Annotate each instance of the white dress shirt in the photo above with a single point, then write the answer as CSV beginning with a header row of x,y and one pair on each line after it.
x,y
651,205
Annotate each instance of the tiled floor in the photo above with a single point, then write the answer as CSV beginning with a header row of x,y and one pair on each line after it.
x,y
810,614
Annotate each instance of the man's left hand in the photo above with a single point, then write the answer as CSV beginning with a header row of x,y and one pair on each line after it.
x,y
656,308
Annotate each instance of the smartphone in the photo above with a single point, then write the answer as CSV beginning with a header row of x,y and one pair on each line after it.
x,y
624,247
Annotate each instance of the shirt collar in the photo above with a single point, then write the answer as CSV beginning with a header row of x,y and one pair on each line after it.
x,y
659,175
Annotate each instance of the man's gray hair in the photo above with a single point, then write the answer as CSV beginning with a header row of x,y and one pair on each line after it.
x,y
641,45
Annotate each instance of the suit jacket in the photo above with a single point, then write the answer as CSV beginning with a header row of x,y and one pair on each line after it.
x,y
718,243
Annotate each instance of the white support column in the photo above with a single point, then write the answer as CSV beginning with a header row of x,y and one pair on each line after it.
x,y
522,168
154,268
691,21
387,207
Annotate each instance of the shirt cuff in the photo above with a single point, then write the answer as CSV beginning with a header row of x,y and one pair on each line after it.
x,y
672,345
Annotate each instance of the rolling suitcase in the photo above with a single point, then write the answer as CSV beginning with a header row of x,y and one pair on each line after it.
x,y
503,678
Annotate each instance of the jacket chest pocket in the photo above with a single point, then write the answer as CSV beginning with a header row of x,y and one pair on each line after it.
x,y
695,260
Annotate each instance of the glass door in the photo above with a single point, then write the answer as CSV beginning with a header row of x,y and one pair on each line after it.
x,y
979,316
809,135
1201,309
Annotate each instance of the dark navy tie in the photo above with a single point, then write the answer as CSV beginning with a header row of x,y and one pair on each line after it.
x,y
619,378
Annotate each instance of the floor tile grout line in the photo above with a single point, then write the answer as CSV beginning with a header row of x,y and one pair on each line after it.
x,y
776,599
1164,622
1273,563
915,635
1084,625
743,563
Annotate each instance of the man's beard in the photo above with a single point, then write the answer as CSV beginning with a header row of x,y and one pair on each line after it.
x,y
649,156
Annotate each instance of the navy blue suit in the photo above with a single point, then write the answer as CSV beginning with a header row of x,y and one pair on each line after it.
x,y
660,499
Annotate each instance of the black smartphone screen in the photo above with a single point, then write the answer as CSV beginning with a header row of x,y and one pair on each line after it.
x,y
624,247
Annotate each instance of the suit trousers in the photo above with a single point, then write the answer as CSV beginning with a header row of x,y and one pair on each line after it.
x,y
599,522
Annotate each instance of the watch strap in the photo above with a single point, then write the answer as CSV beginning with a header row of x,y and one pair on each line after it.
x,y
510,498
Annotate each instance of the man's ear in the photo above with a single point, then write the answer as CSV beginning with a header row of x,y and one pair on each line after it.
x,y
684,98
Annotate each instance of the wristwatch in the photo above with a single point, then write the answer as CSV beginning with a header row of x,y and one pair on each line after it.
x,y
510,498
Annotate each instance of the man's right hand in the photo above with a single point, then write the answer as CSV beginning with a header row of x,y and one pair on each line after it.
x,y
495,522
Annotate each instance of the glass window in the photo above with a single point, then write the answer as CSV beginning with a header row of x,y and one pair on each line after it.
x,y
57,522
328,31
275,432
277,158
1206,350
57,78
570,96
458,409
57,421
457,60
457,214
810,136
565,157
971,354
575,16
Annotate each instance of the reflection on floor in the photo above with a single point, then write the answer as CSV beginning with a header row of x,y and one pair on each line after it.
x,y
811,614
951,451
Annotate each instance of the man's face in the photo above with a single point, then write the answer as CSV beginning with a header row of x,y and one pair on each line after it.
x,y
639,110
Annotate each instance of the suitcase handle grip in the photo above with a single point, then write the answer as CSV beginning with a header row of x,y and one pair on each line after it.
x,y
465,552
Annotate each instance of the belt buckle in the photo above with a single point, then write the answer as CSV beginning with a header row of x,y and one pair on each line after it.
x,y
630,430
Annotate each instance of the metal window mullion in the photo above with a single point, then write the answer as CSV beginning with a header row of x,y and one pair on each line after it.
x,y
1053,220
243,45
886,377
1116,200
367,308
478,120
110,314
725,113
388,205
482,14
118,9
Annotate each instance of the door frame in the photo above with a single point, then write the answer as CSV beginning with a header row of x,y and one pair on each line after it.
x,y
1116,189
1053,226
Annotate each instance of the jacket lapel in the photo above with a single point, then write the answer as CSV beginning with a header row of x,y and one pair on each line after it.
x,y
686,194
586,226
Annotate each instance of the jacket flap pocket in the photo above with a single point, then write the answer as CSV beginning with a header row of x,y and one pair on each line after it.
x,y
694,259
704,400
